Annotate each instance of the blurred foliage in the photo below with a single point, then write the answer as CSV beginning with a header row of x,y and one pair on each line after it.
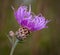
x,y
43,42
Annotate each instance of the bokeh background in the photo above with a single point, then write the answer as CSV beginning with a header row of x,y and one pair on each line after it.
x,y
43,42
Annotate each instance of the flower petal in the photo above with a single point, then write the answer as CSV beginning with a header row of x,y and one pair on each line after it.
x,y
29,20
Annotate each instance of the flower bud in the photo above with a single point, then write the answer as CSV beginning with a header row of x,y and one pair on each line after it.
x,y
11,33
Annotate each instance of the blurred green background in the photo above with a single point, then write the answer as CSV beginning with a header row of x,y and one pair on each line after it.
x,y
43,42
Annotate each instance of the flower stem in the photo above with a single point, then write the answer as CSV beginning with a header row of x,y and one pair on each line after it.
x,y
13,46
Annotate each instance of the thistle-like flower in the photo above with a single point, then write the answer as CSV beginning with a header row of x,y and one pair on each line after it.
x,y
26,18
28,22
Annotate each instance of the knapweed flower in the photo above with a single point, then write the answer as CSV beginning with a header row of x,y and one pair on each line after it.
x,y
28,22
26,18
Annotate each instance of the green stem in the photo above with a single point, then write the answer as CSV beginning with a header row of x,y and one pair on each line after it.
x,y
13,47
10,39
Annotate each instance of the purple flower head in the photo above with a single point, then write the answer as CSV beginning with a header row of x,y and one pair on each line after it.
x,y
27,19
